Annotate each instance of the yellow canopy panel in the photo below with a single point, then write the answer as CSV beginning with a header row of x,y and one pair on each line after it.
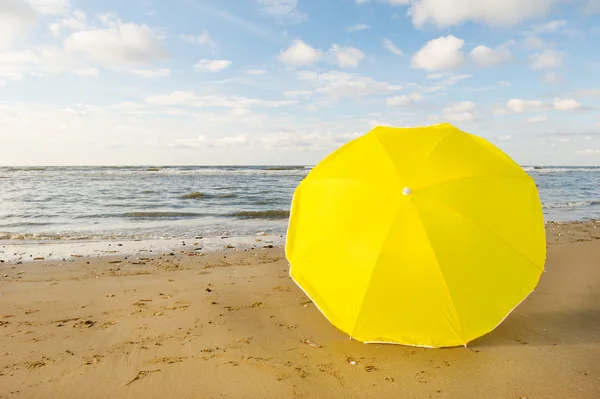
x,y
424,236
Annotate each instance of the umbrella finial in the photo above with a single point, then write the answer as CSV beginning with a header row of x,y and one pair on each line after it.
x,y
407,191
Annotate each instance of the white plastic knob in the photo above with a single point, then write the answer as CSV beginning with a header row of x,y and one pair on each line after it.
x,y
407,191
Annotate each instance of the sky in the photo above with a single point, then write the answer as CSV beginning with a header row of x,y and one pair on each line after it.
x,y
228,82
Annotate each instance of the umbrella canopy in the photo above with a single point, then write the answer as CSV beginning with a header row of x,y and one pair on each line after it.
x,y
424,236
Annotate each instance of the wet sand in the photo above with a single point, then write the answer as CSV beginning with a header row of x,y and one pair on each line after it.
x,y
233,324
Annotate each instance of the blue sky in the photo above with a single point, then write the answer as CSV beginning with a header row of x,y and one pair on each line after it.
x,y
288,81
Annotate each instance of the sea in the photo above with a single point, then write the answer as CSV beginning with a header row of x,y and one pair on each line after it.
x,y
171,202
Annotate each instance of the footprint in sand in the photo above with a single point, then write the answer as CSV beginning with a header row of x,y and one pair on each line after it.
x,y
423,377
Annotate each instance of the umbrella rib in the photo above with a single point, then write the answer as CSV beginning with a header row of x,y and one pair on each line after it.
x,y
387,236
398,174
481,227
416,174
455,313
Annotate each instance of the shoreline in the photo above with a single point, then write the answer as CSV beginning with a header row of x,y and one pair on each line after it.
x,y
12,251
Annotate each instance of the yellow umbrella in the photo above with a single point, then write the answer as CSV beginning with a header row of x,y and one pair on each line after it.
x,y
424,236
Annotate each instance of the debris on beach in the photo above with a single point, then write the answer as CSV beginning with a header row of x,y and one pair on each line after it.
x,y
142,374
312,344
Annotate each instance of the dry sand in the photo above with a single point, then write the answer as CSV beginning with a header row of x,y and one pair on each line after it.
x,y
232,324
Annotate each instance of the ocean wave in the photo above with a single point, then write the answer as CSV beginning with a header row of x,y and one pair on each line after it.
x,y
25,224
575,204
157,172
194,195
4,235
270,214
285,167
153,215
560,170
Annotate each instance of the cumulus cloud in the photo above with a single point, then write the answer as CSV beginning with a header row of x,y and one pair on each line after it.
x,y
589,151
488,57
285,9
460,112
566,104
41,60
151,73
298,93
337,85
300,53
256,72
77,21
445,13
191,99
48,6
205,65
202,39
537,119
518,106
16,18
439,54
404,100
551,78
389,44
548,59
346,56
119,45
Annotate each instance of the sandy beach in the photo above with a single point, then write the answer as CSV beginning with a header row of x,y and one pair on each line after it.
x,y
231,323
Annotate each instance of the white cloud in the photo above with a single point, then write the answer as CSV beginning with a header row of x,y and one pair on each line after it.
x,y
488,57
445,13
518,106
205,65
256,72
505,137
537,119
566,104
358,27
191,99
551,78
460,112
547,27
403,100
534,42
151,73
16,19
48,6
548,59
39,61
336,85
87,72
119,45
76,22
298,93
499,85
463,106
346,56
300,53
286,9
441,53
390,2
589,151
202,39
389,44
